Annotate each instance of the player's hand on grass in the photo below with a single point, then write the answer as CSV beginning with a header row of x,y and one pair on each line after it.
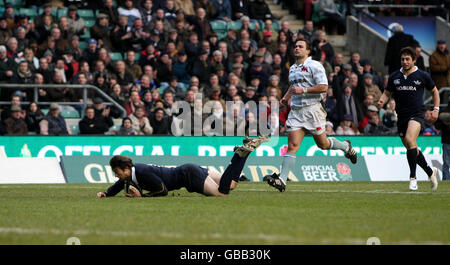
x,y
101,195
134,192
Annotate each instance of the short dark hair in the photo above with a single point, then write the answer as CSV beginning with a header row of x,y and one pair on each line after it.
x,y
308,43
121,162
409,51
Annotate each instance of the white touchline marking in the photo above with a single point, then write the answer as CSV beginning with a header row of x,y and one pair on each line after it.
x,y
260,236
352,191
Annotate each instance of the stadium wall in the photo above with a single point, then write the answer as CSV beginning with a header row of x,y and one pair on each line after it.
x,y
96,169
442,30
369,43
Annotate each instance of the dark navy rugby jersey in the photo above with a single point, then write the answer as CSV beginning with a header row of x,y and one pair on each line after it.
x,y
408,92
152,178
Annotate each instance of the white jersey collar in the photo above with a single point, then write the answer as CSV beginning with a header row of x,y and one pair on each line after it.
x,y
415,69
133,175
306,61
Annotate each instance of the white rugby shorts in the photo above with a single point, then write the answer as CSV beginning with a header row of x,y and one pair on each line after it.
x,y
311,118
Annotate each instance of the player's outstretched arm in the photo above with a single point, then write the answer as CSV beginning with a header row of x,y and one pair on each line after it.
x,y
113,190
436,104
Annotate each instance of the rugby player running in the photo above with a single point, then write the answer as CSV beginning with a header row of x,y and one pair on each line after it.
x,y
308,85
158,181
407,87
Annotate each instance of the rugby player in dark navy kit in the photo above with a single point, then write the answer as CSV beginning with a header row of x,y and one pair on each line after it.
x,y
407,87
159,180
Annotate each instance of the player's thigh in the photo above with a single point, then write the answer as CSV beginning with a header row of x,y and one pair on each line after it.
x,y
215,175
412,132
295,138
211,188
322,141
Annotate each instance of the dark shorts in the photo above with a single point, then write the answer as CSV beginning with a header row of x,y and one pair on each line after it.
x,y
194,177
402,125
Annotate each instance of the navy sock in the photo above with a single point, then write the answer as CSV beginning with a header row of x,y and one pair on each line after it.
x,y
411,155
232,172
423,164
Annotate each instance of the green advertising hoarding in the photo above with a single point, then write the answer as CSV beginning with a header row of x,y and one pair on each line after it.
x,y
96,169
48,146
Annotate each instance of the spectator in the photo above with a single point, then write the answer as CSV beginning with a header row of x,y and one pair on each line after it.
x,y
207,6
76,23
170,10
331,107
367,69
54,123
16,125
375,126
133,103
370,88
134,68
348,105
39,20
33,116
180,68
5,32
347,126
7,65
395,43
308,31
268,27
329,9
222,10
239,8
329,128
159,17
274,84
121,35
126,129
124,77
15,101
355,62
321,44
160,122
389,118
253,33
443,124
10,16
100,32
259,10
140,122
419,58
371,111
95,124
128,10
201,24
440,65
117,95
186,6
146,12
112,13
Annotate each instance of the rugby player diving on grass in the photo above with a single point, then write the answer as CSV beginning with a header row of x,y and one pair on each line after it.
x,y
158,181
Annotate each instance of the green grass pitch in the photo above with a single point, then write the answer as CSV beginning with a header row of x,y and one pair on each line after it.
x,y
307,213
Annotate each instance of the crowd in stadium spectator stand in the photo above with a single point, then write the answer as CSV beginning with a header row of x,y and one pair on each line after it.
x,y
146,55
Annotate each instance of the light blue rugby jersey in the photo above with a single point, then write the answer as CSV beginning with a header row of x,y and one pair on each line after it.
x,y
308,74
